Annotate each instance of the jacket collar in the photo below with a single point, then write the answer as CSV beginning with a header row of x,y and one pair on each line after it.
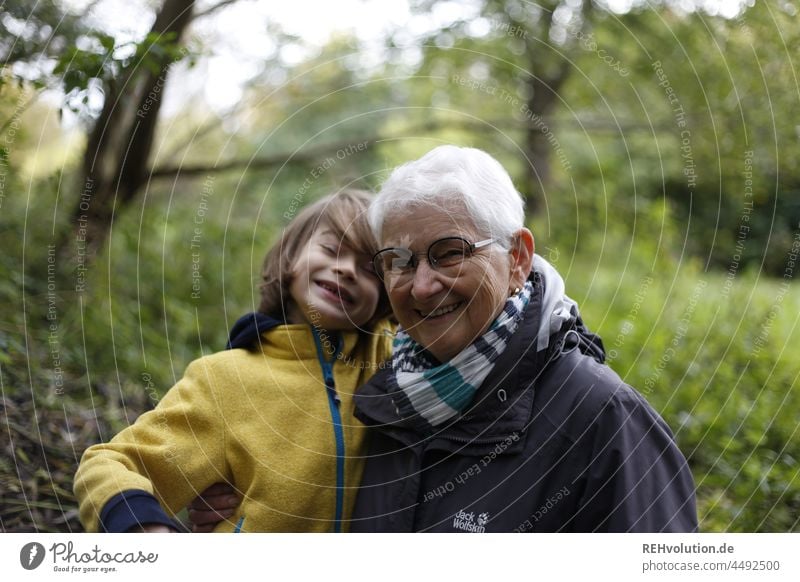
x,y
247,330
257,332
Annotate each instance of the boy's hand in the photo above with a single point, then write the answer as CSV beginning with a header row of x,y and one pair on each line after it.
x,y
213,505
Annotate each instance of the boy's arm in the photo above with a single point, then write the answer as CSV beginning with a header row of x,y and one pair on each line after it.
x,y
134,510
163,460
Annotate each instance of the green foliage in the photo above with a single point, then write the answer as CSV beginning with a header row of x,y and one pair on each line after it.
x,y
102,62
697,122
78,66
30,30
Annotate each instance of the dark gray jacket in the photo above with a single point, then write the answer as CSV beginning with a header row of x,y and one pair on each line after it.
x,y
553,441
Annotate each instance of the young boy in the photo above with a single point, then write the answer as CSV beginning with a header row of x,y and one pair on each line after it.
x,y
273,420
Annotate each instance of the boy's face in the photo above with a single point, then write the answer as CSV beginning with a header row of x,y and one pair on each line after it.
x,y
333,287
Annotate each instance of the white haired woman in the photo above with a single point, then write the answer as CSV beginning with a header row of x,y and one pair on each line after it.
x,y
498,413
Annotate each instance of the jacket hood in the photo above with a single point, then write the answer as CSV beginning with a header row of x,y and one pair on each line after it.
x,y
561,327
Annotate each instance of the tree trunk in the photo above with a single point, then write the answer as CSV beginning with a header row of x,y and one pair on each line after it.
x,y
545,82
119,145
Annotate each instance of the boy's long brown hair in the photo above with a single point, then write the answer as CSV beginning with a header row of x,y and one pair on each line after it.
x,y
344,213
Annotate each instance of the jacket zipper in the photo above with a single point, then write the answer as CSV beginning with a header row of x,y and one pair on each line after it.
x,y
334,403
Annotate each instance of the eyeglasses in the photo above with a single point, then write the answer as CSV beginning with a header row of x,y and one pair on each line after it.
x,y
444,255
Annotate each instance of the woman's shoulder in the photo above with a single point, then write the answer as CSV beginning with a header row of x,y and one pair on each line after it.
x,y
578,391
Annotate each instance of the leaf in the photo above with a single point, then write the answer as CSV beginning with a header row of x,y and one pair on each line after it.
x,y
107,41
20,454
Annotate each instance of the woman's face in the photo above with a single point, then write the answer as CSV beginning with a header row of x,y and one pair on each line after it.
x,y
446,313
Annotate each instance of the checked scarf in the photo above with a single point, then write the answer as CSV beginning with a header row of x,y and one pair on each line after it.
x,y
434,392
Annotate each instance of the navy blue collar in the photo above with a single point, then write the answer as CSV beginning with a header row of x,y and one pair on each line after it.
x,y
247,330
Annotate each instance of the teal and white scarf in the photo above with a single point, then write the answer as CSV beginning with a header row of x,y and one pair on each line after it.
x,y
435,392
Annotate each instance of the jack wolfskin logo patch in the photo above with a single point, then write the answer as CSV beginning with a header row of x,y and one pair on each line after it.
x,y
464,521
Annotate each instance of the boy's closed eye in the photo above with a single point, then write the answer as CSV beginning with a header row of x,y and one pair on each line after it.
x,y
364,262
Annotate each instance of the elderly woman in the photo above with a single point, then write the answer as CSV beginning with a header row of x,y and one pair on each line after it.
x,y
498,413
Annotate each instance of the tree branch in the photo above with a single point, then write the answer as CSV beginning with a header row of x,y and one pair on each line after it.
x,y
214,8
317,153
301,157
201,131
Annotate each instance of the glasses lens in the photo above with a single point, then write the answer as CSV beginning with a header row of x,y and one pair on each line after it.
x,y
449,252
393,262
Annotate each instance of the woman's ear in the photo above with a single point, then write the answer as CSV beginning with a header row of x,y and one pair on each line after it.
x,y
522,249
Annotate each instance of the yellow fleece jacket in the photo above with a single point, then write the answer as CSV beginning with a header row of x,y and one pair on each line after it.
x,y
260,421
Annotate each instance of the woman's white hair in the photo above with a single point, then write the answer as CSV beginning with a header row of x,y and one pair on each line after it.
x,y
450,174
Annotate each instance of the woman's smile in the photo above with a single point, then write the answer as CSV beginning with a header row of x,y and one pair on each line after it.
x,y
440,312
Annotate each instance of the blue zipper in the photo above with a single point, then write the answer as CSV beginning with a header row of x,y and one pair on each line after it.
x,y
336,416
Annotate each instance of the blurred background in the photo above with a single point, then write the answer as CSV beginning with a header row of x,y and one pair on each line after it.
x,y
151,150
